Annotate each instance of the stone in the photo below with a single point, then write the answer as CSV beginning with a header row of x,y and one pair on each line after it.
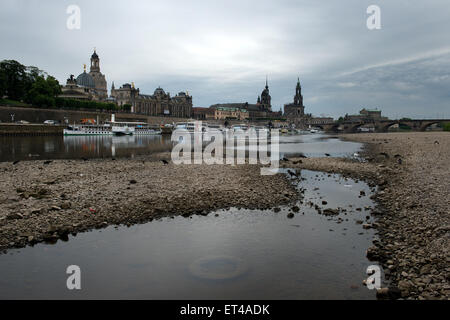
x,y
14,216
330,212
66,205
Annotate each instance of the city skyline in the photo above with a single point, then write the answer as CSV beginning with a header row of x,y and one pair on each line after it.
x,y
222,53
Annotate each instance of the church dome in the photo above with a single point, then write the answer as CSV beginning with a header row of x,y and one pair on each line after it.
x,y
85,80
159,91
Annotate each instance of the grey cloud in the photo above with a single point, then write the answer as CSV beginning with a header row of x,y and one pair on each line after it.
x,y
221,51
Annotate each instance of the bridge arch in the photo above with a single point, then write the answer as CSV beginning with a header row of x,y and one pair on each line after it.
x,y
425,124
384,127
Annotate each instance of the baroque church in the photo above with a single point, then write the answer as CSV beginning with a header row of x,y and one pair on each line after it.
x,y
295,112
87,86
93,86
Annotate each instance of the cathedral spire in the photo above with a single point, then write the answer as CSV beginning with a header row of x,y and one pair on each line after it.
x,y
267,85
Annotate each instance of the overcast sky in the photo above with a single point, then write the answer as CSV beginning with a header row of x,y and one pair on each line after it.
x,y
221,51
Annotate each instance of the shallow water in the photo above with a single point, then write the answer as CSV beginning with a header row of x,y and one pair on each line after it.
x,y
73,147
239,254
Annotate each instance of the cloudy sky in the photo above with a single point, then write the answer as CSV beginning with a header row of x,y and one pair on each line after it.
x,y
221,51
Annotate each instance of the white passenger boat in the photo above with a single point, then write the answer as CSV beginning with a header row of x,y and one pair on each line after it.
x,y
87,129
113,128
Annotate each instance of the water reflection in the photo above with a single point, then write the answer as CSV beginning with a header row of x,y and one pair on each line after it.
x,y
239,254
75,147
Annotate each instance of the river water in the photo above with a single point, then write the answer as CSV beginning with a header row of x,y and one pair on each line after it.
x,y
229,254
76,147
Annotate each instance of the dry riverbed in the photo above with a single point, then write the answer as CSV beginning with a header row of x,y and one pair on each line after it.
x,y
46,202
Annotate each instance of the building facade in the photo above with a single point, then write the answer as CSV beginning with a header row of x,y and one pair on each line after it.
x,y
199,113
93,86
158,104
230,113
365,115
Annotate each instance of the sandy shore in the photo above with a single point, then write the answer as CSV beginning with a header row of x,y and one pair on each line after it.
x,y
46,202
413,212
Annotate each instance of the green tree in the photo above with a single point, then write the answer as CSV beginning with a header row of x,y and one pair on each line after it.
x,y
2,84
16,79
43,92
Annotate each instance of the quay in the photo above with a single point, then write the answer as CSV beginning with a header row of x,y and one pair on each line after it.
x,y
14,129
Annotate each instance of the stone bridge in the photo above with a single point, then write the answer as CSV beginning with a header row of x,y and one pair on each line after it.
x,y
380,125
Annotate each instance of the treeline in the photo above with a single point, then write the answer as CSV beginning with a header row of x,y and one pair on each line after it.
x,y
33,86
27,84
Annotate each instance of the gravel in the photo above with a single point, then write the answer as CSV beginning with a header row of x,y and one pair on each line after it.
x,y
44,203
413,211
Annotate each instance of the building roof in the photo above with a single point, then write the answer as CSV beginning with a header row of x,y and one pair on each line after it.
x,y
159,90
202,110
85,80
231,109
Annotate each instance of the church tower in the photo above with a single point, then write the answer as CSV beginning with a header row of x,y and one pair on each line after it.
x,y
266,98
298,98
99,78
295,112
95,62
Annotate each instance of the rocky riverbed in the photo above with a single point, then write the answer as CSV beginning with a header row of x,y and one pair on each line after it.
x,y
46,201
413,215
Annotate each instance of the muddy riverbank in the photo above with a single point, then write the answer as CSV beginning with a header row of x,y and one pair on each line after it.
x,y
413,213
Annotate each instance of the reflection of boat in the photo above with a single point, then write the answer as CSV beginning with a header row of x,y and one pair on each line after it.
x,y
123,140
